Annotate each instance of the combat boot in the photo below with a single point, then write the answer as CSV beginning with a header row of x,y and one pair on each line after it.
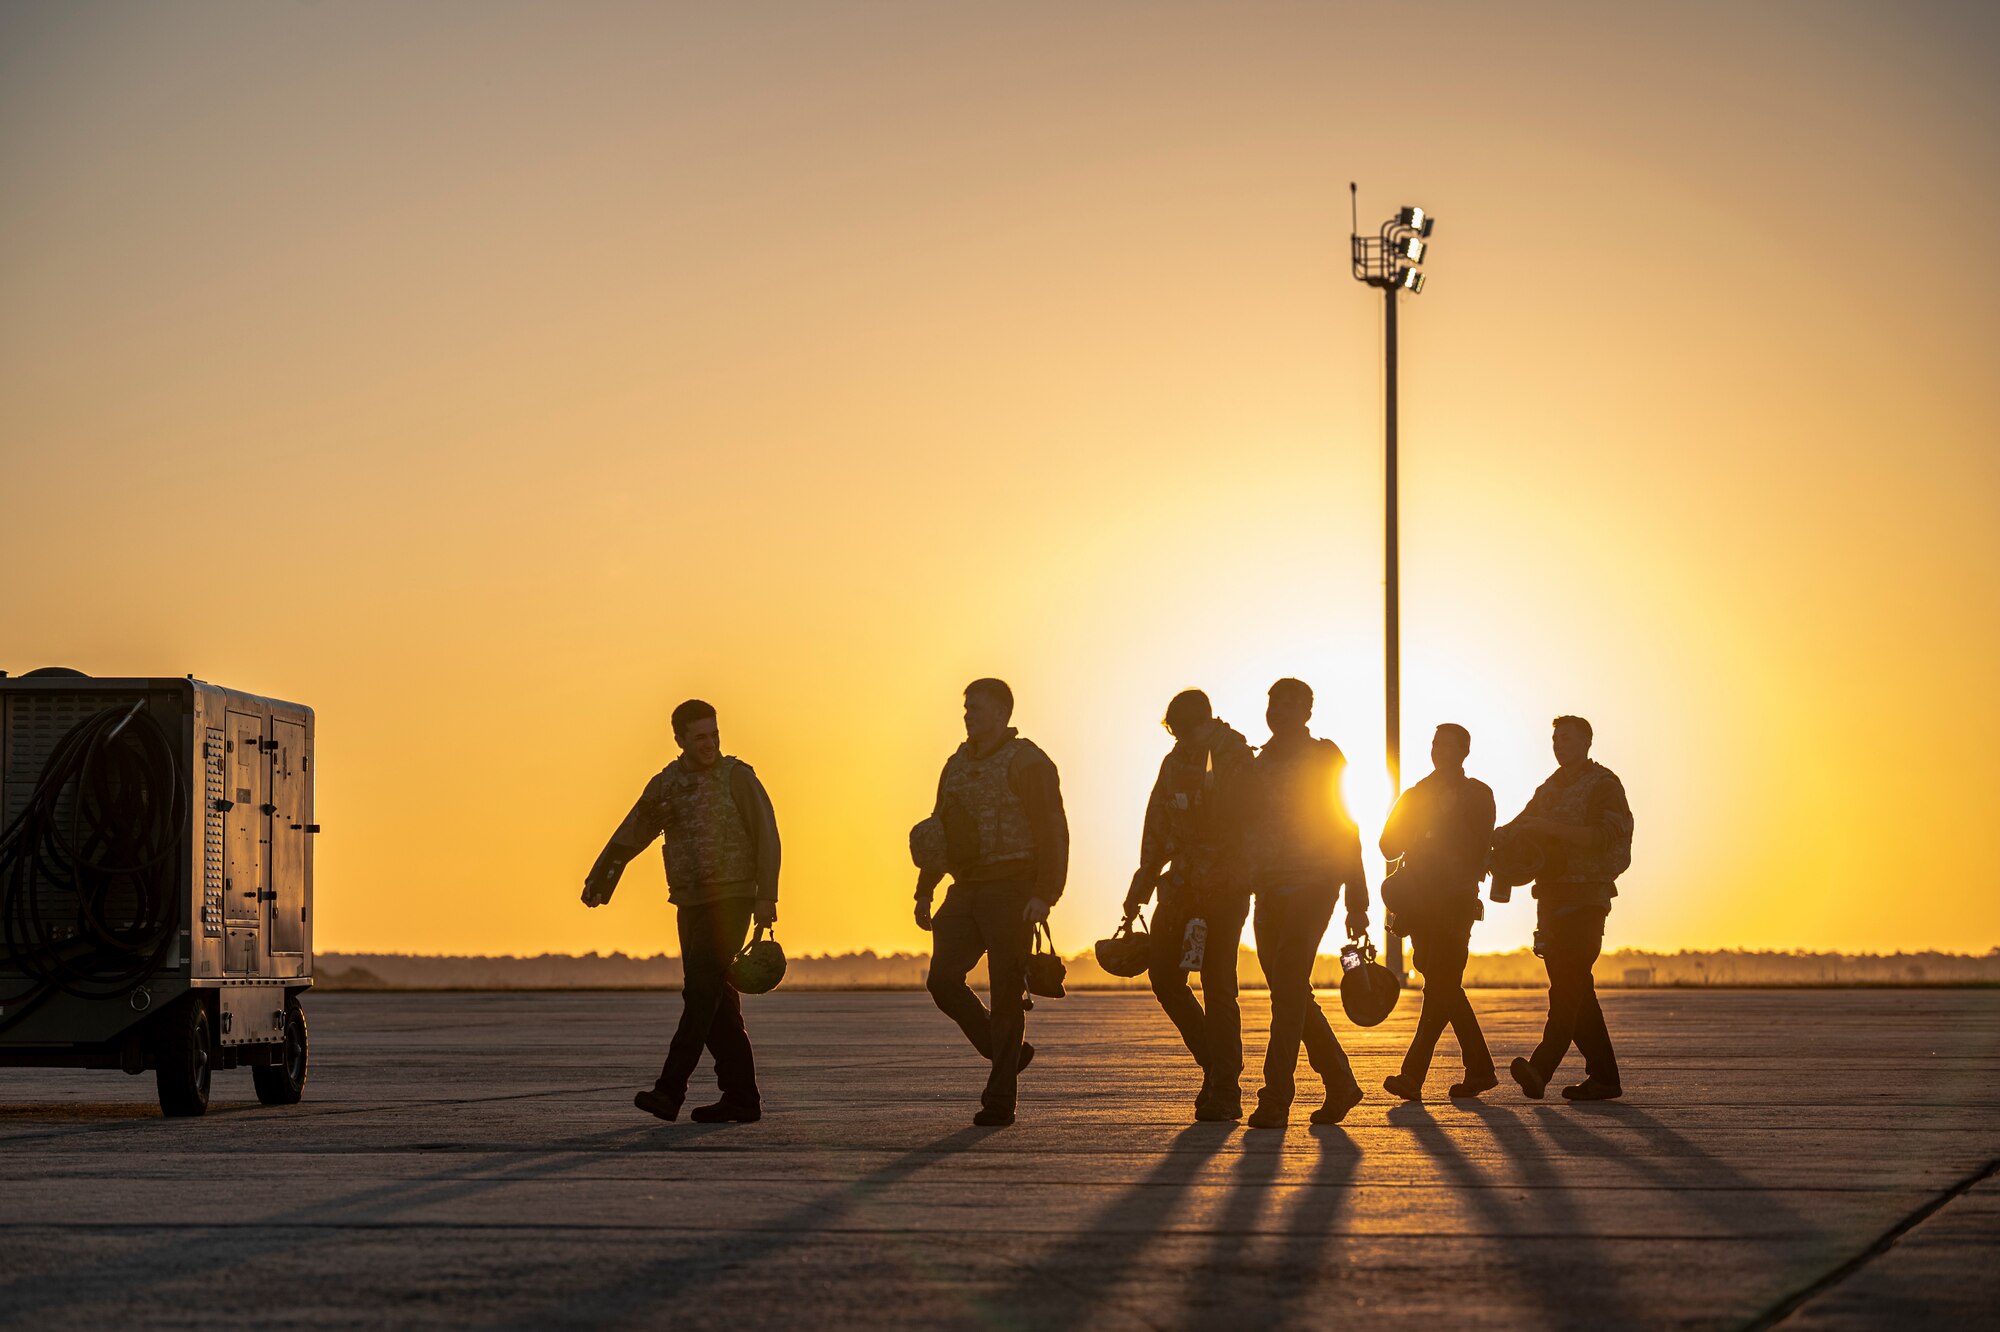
x,y
659,1104
1340,1098
1218,1103
727,1112
1272,1112
1474,1084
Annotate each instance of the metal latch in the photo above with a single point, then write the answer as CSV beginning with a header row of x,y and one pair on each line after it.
x,y
221,806
268,895
268,808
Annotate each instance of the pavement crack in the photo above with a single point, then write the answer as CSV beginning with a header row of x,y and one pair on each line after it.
x,y
1792,1303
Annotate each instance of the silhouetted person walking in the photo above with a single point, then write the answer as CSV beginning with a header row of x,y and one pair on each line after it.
x,y
1304,848
1194,821
721,842
1441,829
1001,833
1582,823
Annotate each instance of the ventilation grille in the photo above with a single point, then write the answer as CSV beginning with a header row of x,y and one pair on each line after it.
x,y
36,723
211,855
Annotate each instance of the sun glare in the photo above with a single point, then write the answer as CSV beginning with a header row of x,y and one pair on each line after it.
x,y
1365,788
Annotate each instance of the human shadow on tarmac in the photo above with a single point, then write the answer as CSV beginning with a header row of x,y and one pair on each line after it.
x,y
1110,1248
640,1294
1731,1200
1554,1224
1275,1258
197,1252
1227,1238
1676,1163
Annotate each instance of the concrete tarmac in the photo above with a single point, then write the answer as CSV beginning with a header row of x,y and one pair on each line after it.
x,y
1811,1158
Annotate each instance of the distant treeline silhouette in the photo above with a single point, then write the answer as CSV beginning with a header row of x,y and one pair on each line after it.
x,y
906,971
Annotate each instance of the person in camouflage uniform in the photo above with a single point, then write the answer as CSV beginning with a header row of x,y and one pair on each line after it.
x,y
1582,822
999,830
722,853
1195,823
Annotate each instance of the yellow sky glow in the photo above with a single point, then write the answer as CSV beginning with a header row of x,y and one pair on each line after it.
x,y
492,377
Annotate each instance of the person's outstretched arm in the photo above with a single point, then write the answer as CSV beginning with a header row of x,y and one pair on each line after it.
x,y
635,834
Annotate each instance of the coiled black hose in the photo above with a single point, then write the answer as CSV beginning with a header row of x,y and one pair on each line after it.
x,y
89,876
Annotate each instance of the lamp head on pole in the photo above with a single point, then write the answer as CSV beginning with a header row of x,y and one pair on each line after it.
x,y
1390,259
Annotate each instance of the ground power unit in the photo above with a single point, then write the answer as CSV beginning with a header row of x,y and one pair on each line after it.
x,y
156,870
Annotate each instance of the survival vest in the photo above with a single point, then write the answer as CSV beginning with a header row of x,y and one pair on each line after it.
x,y
708,838
985,823
1571,804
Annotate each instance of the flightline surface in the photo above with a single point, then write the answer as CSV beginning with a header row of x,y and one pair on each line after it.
x,y
1811,1158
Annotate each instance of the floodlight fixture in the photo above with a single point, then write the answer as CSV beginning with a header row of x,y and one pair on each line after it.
x,y
1413,281
1383,260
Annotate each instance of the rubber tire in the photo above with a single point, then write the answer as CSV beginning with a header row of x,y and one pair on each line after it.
x,y
285,1083
184,1049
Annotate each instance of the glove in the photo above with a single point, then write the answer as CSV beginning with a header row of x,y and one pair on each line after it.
x,y
1140,892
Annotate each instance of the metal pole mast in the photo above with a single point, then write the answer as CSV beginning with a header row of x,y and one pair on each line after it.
x,y
1392,609
1391,260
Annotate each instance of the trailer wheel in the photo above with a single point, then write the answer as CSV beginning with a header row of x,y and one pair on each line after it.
x,y
284,1082
185,1057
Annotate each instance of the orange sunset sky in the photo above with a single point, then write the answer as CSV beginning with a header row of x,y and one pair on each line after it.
x,y
493,376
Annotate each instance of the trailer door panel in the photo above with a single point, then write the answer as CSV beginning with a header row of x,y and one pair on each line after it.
x,y
289,813
244,826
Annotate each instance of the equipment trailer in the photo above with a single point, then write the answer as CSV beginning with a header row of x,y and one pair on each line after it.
x,y
156,869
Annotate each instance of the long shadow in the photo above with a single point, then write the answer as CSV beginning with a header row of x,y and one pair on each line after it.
x,y
1112,1245
1548,1285
640,1292
1326,1196
1217,1268
1299,1256
197,1251
1692,1174
1697,1177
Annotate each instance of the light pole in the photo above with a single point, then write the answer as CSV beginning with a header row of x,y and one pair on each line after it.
x,y
1389,260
